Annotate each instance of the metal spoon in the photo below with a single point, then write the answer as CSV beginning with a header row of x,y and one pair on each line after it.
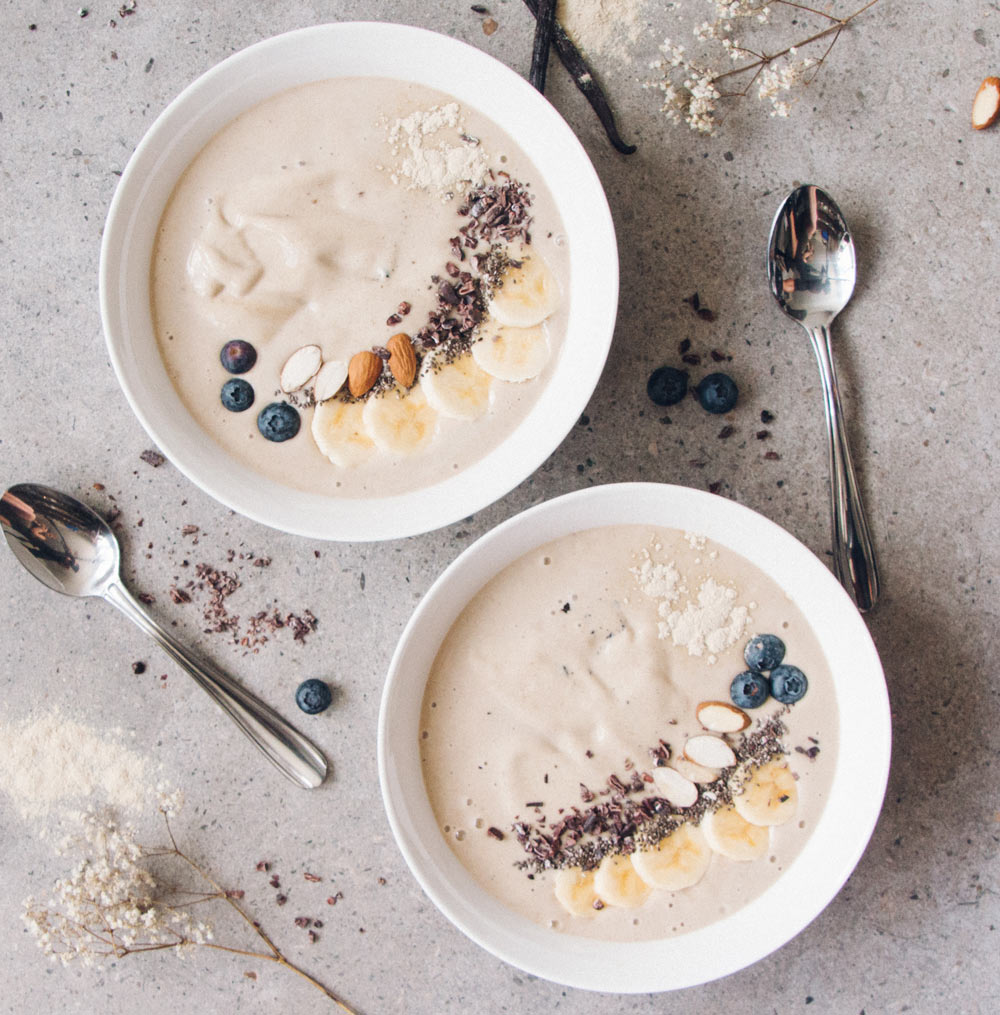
x,y
811,268
72,550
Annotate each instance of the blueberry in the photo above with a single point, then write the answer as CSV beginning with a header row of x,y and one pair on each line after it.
x,y
717,393
278,421
313,696
749,690
667,385
788,684
238,356
237,394
764,652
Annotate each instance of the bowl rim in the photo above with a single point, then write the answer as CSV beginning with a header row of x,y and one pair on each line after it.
x,y
810,882
312,53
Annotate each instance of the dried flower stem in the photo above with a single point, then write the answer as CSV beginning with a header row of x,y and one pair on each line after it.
x,y
691,90
839,24
111,904
274,954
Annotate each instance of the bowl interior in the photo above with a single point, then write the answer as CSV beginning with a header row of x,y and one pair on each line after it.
x,y
801,892
356,49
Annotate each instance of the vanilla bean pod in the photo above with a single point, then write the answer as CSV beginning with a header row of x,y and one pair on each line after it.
x,y
584,79
544,25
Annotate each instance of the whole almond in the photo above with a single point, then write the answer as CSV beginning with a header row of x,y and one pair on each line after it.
x,y
402,359
363,371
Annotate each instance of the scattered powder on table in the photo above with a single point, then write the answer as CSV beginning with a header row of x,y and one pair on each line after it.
x,y
49,761
433,151
605,27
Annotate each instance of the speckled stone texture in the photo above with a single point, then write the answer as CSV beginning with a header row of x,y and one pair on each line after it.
x,y
886,129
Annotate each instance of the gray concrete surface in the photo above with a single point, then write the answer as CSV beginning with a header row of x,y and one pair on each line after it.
x,y
886,129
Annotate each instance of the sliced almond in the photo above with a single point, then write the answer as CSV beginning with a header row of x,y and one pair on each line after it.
x,y
363,371
402,359
301,367
675,788
694,772
721,717
330,379
986,104
712,752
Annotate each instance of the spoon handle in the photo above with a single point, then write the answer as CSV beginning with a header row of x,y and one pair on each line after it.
x,y
852,545
290,752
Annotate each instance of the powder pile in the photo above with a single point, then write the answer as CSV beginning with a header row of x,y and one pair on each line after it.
x,y
711,623
51,761
658,581
433,153
705,624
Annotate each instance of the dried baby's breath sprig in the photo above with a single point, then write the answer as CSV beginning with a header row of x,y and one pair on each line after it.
x,y
691,89
111,904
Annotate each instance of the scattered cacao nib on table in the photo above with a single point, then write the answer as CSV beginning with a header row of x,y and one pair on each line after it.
x,y
211,588
694,302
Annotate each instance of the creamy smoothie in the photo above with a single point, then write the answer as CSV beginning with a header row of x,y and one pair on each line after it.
x,y
566,704
381,263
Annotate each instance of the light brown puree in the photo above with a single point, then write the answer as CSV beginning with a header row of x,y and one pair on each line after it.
x,y
521,691
315,244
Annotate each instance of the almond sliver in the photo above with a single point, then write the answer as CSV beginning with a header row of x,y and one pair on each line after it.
x,y
330,379
721,717
300,367
675,788
712,752
986,105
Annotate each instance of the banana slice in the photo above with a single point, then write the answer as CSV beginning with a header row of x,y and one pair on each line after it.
x,y
459,389
512,354
618,882
678,861
339,432
770,796
528,293
732,836
400,424
575,891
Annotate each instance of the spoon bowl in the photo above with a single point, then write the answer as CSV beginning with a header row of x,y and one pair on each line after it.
x,y
64,544
811,269
811,262
72,550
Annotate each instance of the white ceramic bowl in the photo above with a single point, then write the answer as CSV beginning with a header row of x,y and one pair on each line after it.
x,y
801,892
310,54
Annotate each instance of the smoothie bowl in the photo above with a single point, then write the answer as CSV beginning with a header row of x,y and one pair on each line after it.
x,y
634,739
358,281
